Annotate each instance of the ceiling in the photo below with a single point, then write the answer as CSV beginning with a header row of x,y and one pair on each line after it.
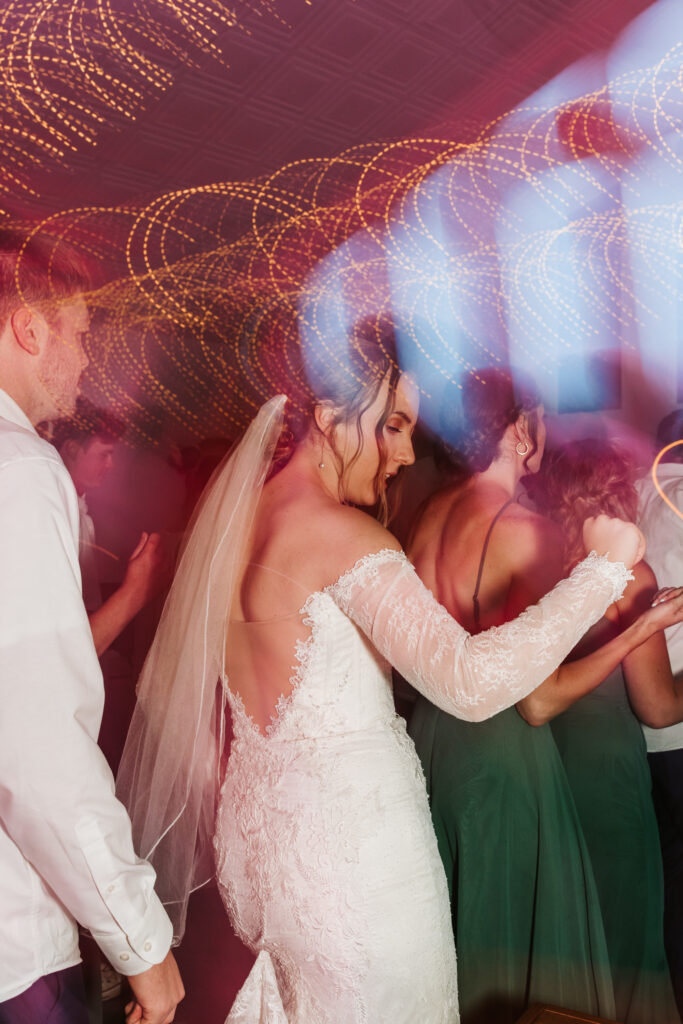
x,y
298,80
198,155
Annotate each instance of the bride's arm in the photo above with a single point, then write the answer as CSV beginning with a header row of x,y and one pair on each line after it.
x,y
475,677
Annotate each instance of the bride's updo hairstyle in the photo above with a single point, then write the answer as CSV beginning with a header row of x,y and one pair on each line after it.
x,y
350,383
491,400
583,479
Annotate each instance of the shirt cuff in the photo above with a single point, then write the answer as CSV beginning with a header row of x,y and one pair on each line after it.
x,y
133,954
614,573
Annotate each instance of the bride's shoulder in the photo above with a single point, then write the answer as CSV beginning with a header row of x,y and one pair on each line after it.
x,y
345,536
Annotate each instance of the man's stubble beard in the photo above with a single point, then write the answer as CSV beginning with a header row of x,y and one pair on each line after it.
x,y
59,387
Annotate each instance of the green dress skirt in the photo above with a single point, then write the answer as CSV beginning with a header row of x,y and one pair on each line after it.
x,y
603,750
525,909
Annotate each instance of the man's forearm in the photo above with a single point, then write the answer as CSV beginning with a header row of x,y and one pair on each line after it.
x,y
113,616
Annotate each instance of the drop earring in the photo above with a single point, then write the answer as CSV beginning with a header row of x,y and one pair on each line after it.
x,y
321,464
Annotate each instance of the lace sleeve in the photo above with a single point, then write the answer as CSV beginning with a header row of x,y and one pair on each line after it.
x,y
472,677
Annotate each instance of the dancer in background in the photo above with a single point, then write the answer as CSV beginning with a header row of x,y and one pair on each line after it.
x,y
325,852
663,529
86,441
601,742
525,911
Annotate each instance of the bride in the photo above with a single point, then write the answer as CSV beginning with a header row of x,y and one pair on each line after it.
x,y
291,605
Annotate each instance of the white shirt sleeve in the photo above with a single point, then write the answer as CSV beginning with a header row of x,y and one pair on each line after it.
x,y
57,798
663,531
472,677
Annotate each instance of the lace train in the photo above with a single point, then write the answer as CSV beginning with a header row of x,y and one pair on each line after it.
x,y
258,1001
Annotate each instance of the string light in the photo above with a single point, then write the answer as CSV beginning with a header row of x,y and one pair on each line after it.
x,y
212,287
660,491
71,68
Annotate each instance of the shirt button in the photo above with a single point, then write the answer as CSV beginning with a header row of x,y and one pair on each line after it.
x,y
124,956
147,947
110,888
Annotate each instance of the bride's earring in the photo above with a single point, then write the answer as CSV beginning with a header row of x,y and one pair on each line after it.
x,y
522,448
321,464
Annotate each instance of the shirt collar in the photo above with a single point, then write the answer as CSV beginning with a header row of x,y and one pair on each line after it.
x,y
9,410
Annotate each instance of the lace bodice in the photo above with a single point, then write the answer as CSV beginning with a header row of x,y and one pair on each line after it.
x,y
339,682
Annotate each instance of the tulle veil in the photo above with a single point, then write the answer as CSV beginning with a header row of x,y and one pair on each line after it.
x,y
171,766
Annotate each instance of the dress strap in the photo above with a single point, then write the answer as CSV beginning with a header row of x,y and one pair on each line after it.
x,y
475,595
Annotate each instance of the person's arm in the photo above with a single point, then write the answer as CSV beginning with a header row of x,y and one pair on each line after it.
x,y
147,574
157,993
474,677
57,798
575,679
656,695
535,569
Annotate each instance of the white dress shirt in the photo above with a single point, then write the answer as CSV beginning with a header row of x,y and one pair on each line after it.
x,y
87,558
66,852
663,531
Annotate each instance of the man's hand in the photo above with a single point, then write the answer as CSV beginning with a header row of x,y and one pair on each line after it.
x,y
149,571
157,993
150,568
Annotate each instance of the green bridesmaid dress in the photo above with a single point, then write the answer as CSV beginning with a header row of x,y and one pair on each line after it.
x,y
525,909
603,750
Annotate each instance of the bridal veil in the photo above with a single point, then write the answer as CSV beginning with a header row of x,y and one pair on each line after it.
x,y
171,767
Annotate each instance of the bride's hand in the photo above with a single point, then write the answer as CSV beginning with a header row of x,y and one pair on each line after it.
x,y
618,540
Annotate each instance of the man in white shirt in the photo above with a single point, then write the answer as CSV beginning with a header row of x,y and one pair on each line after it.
x,y
663,531
66,852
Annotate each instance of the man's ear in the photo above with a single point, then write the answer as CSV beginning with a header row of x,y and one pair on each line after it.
x,y
69,450
30,329
325,416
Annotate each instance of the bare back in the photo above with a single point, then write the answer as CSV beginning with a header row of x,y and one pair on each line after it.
x,y
523,558
301,542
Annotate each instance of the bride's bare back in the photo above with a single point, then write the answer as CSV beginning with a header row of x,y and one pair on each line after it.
x,y
304,538
302,541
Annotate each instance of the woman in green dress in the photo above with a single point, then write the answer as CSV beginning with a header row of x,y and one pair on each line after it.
x,y
602,745
525,909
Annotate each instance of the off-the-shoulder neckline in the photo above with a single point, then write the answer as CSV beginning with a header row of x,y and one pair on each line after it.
x,y
388,554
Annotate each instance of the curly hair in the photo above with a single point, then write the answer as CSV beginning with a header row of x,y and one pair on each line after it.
x,y
491,400
351,386
580,480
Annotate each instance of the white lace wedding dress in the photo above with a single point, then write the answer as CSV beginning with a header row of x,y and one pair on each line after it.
x,y
326,856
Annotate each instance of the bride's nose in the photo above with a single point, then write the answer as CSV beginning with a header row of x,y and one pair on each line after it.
x,y
407,453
